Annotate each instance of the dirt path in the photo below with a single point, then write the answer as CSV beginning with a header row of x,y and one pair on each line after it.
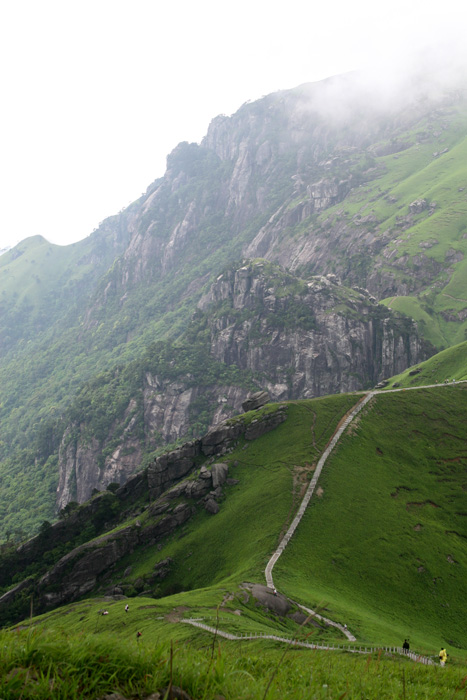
x,y
451,297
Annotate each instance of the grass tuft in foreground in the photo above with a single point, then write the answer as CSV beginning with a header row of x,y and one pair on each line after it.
x,y
38,665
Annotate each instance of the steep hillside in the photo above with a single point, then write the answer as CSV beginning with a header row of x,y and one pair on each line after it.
x,y
381,546
386,538
447,366
399,231
323,179
42,284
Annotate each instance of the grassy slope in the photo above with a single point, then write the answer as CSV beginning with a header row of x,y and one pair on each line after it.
x,y
388,507
385,544
448,364
439,180
59,665
415,174
34,268
235,545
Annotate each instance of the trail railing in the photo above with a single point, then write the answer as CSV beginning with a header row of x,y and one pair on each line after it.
x,y
418,658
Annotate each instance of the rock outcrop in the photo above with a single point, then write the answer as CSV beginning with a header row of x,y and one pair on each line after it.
x,y
256,400
174,486
308,340
172,466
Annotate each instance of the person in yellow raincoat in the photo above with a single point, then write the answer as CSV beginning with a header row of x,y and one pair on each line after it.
x,y
442,657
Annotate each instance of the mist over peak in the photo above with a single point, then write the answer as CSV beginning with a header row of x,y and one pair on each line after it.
x,y
427,76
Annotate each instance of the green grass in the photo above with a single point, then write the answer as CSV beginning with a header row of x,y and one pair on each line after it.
x,y
429,325
448,364
57,664
384,546
34,268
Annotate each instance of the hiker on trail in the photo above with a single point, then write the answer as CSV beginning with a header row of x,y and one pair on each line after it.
x,y
442,657
127,607
406,645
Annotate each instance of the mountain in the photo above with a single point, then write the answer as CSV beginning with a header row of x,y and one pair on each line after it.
x,y
357,201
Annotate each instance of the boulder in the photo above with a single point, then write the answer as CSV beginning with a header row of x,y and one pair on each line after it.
x,y
256,400
219,473
212,506
171,466
418,206
221,437
265,424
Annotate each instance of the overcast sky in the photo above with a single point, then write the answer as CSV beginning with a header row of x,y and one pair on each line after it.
x,y
96,93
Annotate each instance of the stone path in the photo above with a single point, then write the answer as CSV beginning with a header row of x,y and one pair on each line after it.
x,y
311,487
298,643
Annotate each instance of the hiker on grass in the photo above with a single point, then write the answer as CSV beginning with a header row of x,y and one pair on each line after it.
x,y
406,645
127,607
442,657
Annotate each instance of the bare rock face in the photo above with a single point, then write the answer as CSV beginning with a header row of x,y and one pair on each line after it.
x,y
256,400
339,340
326,193
166,413
172,466
221,437
166,470
219,473
268,422
212,506
77,572
80,463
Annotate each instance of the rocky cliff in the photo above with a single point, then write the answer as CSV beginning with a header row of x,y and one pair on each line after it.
x,y
295,338
307,338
